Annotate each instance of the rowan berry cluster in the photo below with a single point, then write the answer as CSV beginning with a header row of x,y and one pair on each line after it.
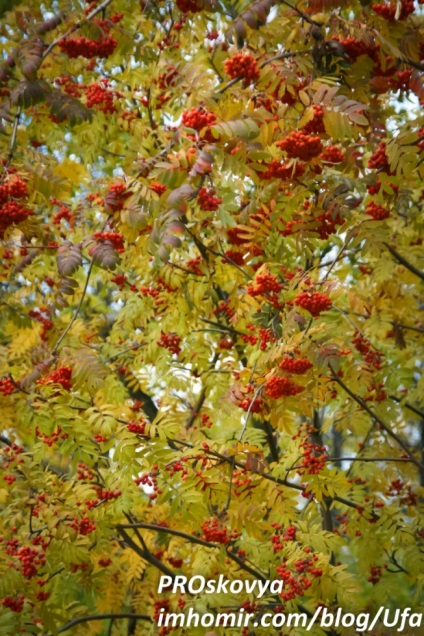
x,y
51,439
316,125
264,284
193,266
379,159
137,427
400,81
99,94
289,534
399,489
158,187
244,66
201,120
314,302
297,366
84,47
120,280
63,213
277,170
42,316
215,532
12,212
177,467
82,526
14,603
293,585
104,563
223,308
276,387
189,6
314,458
170,341
242,483
116,196
235,256
7,387
378,212
250,403
388,11
207,199
61,376
377,393
332,154
167,79
375,574
116,239
371,355
300,145
108,495
84,472
355,48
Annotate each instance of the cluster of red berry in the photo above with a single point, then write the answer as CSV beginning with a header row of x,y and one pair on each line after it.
x,y
170,341
207,199
371,355
293,585
314,458
289,534
378,212
297,366
244,66
264,284
61,376
115,197
379,159
63,213
158,187
14,603
215,532
316,125
150,479
276,387
84,472
250,403
12,212
82,526
400,80
314,302
189,5
388,11
167,78
278,170
355,48
193,266
137,427
234,256
120,280
223,309
332,154
116,239
51,439
325,224
177,467
42,316
399,489
7,387
99,94
375,574
90,49
198,118
300,145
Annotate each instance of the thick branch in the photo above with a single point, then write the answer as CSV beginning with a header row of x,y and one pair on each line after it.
x,y
402,260
102,617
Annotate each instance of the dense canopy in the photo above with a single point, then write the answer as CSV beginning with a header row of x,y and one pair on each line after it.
x,y
212,320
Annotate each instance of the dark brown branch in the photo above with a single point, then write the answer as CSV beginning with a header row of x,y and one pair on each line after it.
x,y
102,617
402,260
375,417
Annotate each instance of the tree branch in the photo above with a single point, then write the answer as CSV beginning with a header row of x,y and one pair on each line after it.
x,y
402,260
102,617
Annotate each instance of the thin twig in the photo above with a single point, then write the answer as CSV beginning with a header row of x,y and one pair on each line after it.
x,y
74,317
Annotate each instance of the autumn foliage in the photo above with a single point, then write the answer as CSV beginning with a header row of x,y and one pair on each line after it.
x,y
211,240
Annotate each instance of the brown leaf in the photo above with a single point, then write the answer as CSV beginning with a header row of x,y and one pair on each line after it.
x,y
69,259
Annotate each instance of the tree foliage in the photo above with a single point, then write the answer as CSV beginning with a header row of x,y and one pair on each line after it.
x,y
211,221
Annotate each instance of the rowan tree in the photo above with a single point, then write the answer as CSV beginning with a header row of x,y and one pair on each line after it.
x,y
211,222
